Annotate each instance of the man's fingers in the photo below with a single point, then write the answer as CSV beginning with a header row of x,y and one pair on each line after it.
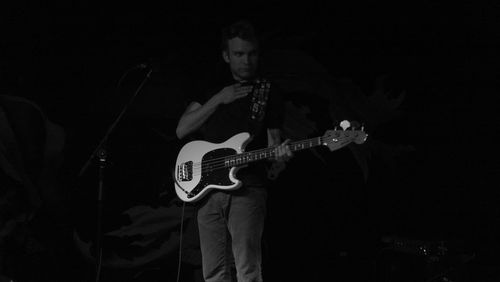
x,y
243,90
288,152
283,152
234,92
241,93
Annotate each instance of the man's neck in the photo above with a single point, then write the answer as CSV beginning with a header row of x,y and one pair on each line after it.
x,y
242,80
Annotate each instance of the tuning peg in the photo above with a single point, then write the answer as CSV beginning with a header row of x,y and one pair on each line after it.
x,y
345,124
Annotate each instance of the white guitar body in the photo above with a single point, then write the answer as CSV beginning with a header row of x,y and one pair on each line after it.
x,y
199,167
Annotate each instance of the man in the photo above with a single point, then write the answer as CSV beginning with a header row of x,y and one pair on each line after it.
x,y
231,222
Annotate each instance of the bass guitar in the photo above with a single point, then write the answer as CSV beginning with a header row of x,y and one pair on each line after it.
x,y
202,166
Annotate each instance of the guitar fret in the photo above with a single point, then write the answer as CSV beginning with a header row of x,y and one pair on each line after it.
x,y
247,157
305,144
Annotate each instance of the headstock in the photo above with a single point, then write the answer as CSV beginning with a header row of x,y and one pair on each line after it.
x,y
338,138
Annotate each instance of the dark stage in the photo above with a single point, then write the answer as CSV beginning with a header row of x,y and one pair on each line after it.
x,y
417,201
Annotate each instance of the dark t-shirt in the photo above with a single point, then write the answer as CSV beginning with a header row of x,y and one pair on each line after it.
x,y
236,117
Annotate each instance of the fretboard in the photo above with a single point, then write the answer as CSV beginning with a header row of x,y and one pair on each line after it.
x,y
269,153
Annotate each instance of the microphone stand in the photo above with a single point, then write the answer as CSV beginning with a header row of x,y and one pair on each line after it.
x,y
101,154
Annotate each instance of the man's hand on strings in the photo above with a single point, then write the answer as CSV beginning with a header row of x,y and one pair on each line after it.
x,y
234,92
283,152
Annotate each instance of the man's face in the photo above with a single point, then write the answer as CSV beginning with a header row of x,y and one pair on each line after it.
x,y
242,57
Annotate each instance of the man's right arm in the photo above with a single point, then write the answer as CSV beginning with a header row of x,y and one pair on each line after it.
x,y
196,114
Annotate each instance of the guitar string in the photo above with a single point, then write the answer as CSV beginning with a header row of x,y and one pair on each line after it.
x,y
256,152
220,163
321,141
208,162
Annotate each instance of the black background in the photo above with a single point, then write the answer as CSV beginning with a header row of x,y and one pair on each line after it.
x,y
69,56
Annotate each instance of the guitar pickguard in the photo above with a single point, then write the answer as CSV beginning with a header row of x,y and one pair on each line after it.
x,y
211,172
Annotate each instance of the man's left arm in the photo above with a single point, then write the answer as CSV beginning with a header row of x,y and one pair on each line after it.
x,y
283,152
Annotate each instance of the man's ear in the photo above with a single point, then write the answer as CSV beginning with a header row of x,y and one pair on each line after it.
x,y
225,56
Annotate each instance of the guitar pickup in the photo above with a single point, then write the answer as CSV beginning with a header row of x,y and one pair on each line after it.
x,y
185,171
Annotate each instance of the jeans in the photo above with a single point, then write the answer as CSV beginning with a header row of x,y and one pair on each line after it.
x,y
230,226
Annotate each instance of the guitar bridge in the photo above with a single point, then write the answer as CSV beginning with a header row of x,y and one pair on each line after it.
x,y
185,171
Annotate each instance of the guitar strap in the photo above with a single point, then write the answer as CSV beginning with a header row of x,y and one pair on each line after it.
x,y
260,96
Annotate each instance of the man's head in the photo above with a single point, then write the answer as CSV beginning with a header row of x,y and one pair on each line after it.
x,y
240,49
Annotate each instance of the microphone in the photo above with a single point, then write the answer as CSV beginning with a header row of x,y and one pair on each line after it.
x,y
141,66
154,66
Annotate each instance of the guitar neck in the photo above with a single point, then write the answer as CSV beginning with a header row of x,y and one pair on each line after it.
x,y
270,153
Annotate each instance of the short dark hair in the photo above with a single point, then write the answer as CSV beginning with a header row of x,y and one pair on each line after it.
x,y
242,29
